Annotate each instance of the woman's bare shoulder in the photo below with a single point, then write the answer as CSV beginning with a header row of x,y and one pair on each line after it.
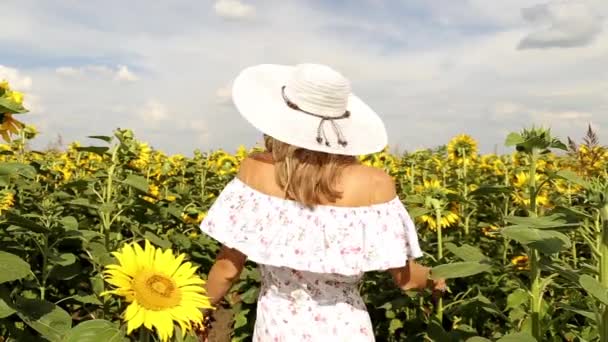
x,y
254,166
371,184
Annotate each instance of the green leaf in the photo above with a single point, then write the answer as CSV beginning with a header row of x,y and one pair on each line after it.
x,y
6,308
572,177
94,331
137,182
514,139
556,143
517,298
7,105
459,270
100,150
485,190
23,222
544,240
10,168
66,272
97,284
466,252
83,202
587,314
64,259
88,299
101,137
69,223
550,221
478,339
250,296
100,254
158,241
418,211
48,319
594,288
517,337
394,325
240,319
12,267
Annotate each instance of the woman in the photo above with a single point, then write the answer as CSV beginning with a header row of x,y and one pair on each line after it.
x,y
312,217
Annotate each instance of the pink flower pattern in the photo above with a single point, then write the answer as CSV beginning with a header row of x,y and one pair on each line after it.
x,y
311,261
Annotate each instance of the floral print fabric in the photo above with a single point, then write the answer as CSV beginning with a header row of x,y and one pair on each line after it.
x,y
311,260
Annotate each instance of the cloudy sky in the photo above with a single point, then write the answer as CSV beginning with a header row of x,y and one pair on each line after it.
x,y
431,68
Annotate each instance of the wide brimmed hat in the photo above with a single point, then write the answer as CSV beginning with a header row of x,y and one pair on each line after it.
x,y
309,106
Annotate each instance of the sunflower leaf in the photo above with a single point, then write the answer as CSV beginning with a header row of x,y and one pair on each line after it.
x,y
594,288
514,139
95,330
459,270
51,321
545,240
137,183
12,267
517,337
100,150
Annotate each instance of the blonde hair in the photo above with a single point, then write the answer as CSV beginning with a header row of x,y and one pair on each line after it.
x,y
308,177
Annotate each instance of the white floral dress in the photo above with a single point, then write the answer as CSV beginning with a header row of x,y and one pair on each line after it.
x,y
311,260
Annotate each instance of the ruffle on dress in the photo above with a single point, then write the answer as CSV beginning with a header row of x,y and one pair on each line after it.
x,y
327,239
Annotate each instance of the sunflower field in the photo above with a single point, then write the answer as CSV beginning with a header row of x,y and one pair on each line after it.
x,y
101,242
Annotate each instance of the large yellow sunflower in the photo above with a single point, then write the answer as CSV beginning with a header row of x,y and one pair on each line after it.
x,y
448,219
9,125
161,289
462,149
227,165
521,195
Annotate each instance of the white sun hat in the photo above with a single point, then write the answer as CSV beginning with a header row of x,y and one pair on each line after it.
x,y
309,106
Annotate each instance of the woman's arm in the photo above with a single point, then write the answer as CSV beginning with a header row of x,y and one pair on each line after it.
x,y
414,276
226,269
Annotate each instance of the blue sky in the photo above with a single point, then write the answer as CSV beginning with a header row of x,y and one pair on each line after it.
x,y
431,69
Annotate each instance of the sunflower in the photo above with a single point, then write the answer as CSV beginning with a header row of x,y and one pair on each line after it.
x,y
143,157
520,262
433,188
160,288
448,219
7,200
226,164
462,149
9,125
489,231
193,217
521,195
241,153
153,193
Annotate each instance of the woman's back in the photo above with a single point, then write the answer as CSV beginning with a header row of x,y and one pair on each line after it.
x,y
311,259
360,185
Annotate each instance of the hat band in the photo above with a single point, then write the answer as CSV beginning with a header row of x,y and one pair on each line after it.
x,y
321,136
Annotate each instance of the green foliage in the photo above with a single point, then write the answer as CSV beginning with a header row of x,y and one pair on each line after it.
x,y
63,213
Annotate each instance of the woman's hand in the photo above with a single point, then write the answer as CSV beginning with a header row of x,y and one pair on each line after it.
x,y
414,276
417,277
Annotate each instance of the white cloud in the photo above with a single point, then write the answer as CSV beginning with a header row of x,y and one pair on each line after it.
x,y
564,23
15,79
68,71
475,82
119,73
233,9
224,95
124,74
153,112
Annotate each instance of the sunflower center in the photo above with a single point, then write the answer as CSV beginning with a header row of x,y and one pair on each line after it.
x,y
156,291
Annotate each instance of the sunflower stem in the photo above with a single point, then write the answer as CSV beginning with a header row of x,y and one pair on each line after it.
x,y
603,323
534,257
144,335
439,257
